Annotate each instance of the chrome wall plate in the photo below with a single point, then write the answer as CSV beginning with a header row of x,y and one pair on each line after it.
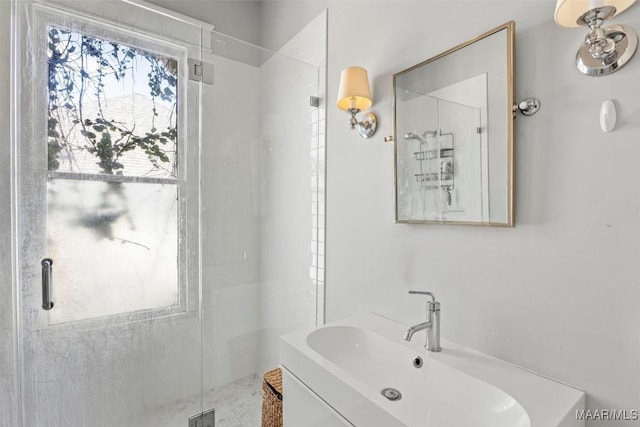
x,y
527,107
367,131
626,44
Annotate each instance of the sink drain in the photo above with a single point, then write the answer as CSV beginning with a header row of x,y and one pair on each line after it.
x,y
418,362
391,394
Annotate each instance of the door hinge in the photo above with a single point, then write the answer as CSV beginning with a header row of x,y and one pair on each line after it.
x,y
205,419
201,71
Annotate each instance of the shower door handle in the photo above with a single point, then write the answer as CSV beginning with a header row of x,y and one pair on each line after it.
x,y
47,279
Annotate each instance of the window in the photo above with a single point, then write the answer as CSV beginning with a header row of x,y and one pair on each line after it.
x,y
113,190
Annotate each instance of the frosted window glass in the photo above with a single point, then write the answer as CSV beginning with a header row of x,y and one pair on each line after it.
x,y
114,247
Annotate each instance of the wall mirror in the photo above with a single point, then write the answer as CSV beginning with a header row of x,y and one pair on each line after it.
x,y
453,134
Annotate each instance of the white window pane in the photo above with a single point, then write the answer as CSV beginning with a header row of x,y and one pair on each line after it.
x,y
112,107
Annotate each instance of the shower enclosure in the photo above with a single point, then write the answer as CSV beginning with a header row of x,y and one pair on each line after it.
x,y
442,154
168,193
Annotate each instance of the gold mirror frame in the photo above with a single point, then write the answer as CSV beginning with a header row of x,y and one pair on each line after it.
x,y
509,117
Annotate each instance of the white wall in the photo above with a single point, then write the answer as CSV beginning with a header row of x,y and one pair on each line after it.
x,y
240,19
558,293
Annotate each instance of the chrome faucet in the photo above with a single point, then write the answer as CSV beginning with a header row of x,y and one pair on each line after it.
x,y
432,325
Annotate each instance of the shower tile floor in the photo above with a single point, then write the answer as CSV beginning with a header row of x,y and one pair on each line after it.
x,y
237,404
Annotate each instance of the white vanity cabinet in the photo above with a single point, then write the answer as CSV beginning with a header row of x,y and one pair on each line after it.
x,y
303,408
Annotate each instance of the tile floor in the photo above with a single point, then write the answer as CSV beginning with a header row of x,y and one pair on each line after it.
x,y
237,404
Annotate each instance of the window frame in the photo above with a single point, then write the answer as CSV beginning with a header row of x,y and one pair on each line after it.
x,y
188,239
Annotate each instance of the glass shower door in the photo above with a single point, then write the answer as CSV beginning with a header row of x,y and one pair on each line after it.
x,y
108,222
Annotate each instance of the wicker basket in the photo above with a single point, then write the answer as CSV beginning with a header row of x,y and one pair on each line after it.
x,y
272,398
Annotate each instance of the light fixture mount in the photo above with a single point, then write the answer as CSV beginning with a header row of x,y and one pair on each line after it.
x,y
605,49
527,107
367,127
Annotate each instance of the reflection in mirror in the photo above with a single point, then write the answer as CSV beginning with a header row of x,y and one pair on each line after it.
x,y
453,134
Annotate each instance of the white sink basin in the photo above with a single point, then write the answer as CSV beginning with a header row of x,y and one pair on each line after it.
x,y
378,362
348,363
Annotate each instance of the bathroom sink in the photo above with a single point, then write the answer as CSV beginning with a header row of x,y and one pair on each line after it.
x,y
379,363
349,363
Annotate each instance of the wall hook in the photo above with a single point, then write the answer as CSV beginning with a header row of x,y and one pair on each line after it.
x,y
608,116
528,106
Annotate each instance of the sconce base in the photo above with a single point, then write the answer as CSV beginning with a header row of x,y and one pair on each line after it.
x,y
368,126
626,44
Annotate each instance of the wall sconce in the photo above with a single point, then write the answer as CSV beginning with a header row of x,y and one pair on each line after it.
x,y
354,96
605,49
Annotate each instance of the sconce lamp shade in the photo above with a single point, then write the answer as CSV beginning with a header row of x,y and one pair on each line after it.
x,y
354,83
568,12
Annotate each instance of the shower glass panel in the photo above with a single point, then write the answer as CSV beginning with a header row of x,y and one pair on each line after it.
x,y
107,185
263,212
168,298
466,197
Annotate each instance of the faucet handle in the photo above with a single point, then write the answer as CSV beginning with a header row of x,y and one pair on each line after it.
x,y
433,297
